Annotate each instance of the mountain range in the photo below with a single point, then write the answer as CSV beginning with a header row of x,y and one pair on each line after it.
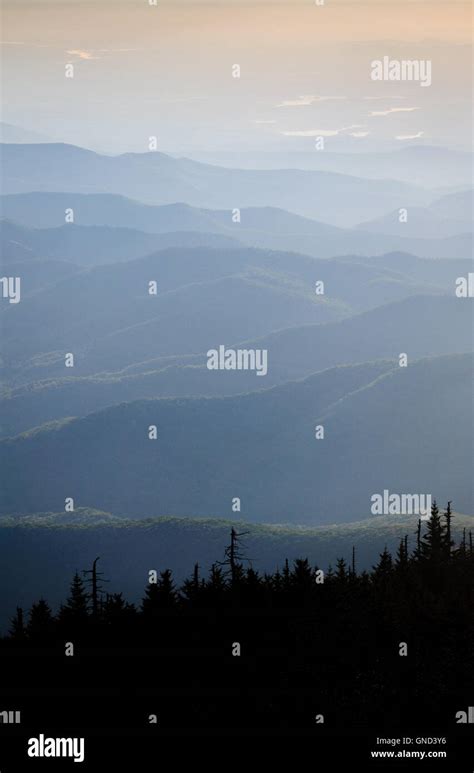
x,y
156,178
260,447
123,228
426,165
66,543
342,272
425,326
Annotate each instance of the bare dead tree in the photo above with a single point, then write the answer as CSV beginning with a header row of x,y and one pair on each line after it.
x,y
233,554
94,581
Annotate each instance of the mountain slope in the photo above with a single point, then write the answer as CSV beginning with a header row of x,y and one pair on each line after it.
x,y
415,164
38,275
94,245
266,227
244,289
53,546
160,179
458,206
402,429
419,326
436,273
112,321
419,223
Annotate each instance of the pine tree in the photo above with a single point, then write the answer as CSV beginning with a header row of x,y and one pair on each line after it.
x,y
252,587
286,575
401,560
17,630
193,586
76,607
353,565
448,539
274,581
115,608
341,569
302,576
160,595
41,621
216,585
418,539
330,573
433,542
383,570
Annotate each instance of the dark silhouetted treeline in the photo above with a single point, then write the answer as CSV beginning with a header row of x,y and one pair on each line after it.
x,y
392,647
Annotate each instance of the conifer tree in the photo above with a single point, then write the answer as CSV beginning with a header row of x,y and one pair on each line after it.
x,y
76,607
286,575
401,560
341,569
353,564
433,541
17,628
448,516
383,569
418,539
193,586
115,608
41,621
462,547
274,581
302,575
160,595
216,584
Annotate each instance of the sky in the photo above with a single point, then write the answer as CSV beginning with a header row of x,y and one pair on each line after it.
x,y
166,71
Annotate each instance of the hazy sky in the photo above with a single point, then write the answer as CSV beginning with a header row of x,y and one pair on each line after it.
x,y
166,71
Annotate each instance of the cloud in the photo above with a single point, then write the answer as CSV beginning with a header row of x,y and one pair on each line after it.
x,y
81,54
305,101
409,136
89,54
322,132
391,110
264,122
358,134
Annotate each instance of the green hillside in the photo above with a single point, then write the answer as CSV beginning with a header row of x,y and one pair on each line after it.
x,y
386,427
